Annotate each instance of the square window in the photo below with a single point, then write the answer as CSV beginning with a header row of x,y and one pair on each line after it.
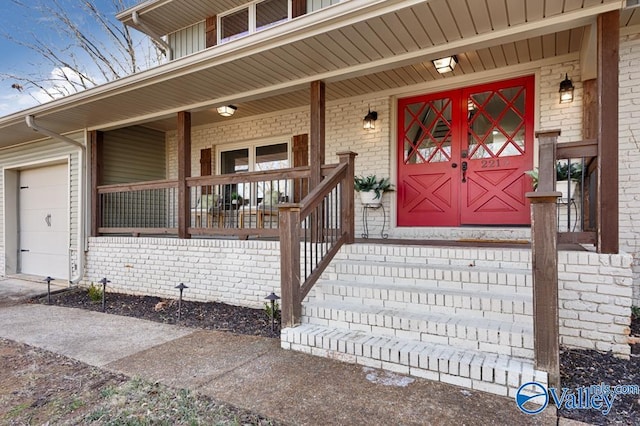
x,y
234,25
271,12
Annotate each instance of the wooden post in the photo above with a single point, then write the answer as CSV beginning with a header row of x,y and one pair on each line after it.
x,y
184,171
608,58
589,131
289,217
544,243
96,139
347,204
317,148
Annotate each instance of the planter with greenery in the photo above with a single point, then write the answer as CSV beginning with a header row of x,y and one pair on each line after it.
x,y
371,189
567,178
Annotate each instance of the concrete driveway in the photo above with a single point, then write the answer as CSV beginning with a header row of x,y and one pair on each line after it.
x,y
15,290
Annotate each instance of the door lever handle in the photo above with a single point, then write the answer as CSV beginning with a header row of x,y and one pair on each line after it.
x,y
465,166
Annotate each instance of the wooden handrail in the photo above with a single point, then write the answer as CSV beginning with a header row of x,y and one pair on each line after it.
x,y
291,218
578,149
248,177
315,197
138,186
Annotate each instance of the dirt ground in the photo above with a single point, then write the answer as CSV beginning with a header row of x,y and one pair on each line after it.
x,y
41,388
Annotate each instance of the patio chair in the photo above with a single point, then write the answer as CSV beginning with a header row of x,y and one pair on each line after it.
x,y
208,205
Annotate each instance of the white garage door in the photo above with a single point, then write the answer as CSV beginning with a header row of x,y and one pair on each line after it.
x,y
44,221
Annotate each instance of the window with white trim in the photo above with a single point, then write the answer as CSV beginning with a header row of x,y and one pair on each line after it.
x,y
255,157
255,16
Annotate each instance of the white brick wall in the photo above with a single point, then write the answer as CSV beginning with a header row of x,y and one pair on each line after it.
x,y
231,271
553,115
629,112
594,292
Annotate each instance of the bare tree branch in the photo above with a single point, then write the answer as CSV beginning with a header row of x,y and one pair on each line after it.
x,y
86,46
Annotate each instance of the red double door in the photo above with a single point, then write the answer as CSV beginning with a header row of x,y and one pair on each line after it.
x,y
462,155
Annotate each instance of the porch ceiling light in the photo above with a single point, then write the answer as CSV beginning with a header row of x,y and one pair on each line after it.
x,y
447,64
369,121
566,90
227,110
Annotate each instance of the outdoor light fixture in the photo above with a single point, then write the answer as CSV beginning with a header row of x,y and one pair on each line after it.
x,y
227,110
447,64
272,298
180,287
566,90
369,122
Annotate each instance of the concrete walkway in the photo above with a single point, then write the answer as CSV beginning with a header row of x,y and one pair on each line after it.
x,y
254,373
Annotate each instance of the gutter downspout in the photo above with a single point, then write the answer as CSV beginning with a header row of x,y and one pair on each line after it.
x,y
31,123
155,37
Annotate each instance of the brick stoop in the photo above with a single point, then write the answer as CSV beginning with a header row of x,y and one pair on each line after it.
x,y
456,315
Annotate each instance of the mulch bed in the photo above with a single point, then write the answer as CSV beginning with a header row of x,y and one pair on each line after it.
x,y
578,367
209,315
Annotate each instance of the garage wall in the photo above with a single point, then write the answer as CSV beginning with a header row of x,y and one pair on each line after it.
x,y
26,156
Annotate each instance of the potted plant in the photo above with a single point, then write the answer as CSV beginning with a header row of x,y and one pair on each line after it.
x,y
568,175
371,189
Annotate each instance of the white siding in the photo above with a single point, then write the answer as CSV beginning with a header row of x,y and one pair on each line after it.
x,y
188,40
133,154
31,155
313,5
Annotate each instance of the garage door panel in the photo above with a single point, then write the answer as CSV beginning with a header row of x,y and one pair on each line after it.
x,y
44,221
55,266
35,198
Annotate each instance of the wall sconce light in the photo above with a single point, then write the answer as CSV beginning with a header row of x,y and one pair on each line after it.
x,y
447,64
566,90
227,110
369,122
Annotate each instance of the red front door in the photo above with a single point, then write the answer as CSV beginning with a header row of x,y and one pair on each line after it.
x,y
462,155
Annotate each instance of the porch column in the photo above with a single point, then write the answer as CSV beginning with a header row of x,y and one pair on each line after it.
x,y
184,171
608,63
544,243
317,132
96,141
317,150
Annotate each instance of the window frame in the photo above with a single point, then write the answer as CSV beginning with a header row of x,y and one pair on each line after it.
x,y
252,146
251,6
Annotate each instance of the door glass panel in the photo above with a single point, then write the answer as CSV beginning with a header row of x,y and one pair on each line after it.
x,y
272,157
496,123
427,132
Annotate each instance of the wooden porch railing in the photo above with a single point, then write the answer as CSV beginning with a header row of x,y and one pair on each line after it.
x,y
546,205
312,232
139,208
240,204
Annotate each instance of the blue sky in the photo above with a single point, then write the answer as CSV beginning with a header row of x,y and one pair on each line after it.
x,y
23,25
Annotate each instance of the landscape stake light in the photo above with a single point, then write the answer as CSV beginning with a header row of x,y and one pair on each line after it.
x,y
104,282
273,297
48,280
180,287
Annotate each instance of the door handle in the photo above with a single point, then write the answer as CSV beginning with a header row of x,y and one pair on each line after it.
x,y
47,220
465,166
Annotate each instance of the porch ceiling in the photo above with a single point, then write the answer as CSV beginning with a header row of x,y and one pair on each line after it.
x,y
357,47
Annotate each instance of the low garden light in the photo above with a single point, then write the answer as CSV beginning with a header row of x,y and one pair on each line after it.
x,y
48,280
180,287
104,282
272,298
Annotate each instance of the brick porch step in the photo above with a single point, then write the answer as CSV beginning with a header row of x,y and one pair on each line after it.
x,y
454,330
445,298
498,374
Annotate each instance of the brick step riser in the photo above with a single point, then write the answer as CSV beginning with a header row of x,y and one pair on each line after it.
x,y
426,276
512,343
507,258
499,374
